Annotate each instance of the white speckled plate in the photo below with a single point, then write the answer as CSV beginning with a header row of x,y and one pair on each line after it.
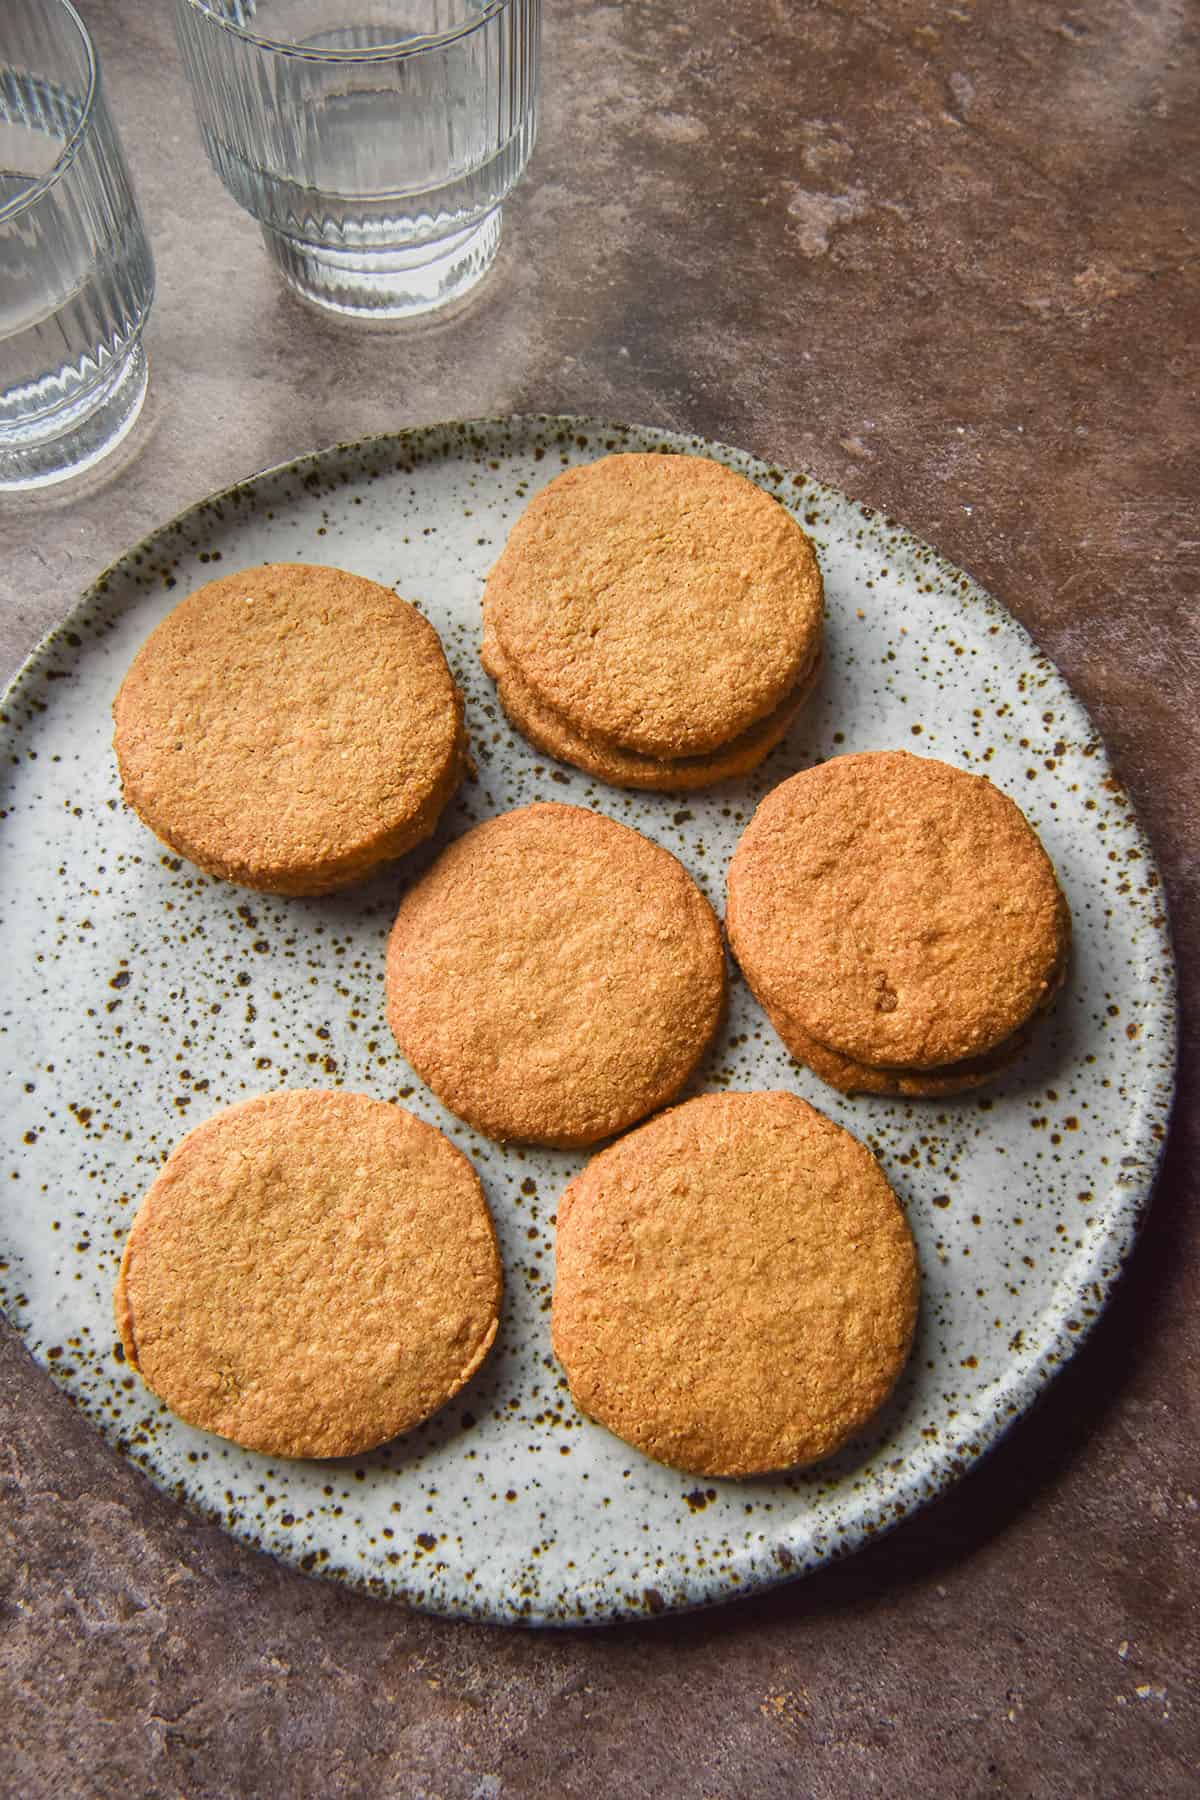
x,y
140,996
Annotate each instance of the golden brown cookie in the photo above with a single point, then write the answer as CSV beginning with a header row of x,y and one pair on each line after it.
x,y
310,1274
659,604
736,1285
290,728
624,768
897,911
554,976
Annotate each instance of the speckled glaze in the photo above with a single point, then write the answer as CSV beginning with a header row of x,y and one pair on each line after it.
x,y
142,995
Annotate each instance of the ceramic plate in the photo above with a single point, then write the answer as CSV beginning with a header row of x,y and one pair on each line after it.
x,y
140,996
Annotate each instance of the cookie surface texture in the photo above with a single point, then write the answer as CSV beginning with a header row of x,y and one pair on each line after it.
x,y
899,911
550,732
554,976
662,604
290,728
311,1273
736,1286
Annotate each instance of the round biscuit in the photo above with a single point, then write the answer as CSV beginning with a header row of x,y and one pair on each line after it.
x,y
736,1286
290,728
554,976
660,604
311,1273
899,911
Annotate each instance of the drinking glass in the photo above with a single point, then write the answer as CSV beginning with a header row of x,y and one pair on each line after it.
x,y
373,140
76,275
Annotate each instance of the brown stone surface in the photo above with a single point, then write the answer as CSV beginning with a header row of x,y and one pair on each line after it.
x,y
945,257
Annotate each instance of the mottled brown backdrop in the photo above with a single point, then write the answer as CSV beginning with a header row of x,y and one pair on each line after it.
x,y
944,256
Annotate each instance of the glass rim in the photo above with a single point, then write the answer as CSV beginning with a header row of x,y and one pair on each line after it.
x,y
401,47
50,177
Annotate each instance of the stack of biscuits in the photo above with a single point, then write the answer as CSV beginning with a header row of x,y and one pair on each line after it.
x,y
654,620
899,923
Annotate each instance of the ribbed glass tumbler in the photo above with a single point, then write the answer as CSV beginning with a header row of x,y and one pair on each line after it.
x,y
373,140
76,275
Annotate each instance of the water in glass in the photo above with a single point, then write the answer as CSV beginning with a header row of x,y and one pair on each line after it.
x,y
373,143
76,276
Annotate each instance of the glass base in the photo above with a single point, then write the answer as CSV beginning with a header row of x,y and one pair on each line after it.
x,y
77,437
389,284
